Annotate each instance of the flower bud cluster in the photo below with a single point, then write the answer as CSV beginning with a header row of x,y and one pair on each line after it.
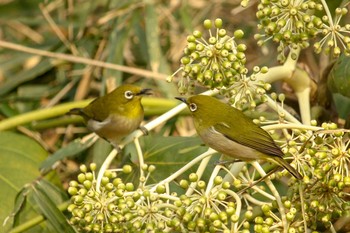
x,y
202,212
213,63
117,206
219,63
295,23
326,177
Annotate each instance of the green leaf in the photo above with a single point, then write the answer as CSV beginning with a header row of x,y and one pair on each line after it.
x,y
338,82
169,154
72,149
48,208
26,75
20,157
339,77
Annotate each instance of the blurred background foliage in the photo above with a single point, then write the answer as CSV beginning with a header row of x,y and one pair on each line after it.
x,y
144,40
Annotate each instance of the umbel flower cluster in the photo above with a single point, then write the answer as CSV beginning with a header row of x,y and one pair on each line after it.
x,y
219,63
219,204
295,23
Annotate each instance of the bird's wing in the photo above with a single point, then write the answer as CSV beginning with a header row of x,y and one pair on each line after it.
x,y
253,137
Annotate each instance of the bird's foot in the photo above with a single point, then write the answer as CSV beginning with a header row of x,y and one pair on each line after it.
x,y
225,162
143,130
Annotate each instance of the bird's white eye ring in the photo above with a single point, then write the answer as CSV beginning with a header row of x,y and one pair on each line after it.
x,y
129,95
193,107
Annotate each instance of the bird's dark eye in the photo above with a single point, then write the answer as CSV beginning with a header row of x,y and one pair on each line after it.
x,y
193,107
129,95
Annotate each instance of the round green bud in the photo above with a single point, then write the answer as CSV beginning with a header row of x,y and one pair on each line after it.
x,y
200,47
119,192
108,174
290,216
73,183
87,207
191,46
71,207
234,218
72,191
193,177
266,208
246,225
347,180
226,185
160,189
207,24
230,210
178,203
129,187
146,193
237,183
187,217
221,196
217,223
93,166
197,34
191,39
78,213
238,34
184,184
78,200
87,184
91,193
200,223
218,180
191,226
269,221
89,176
213,216
218,23
201,184
212,40
151,168
128,168
287,204
104,180
222,32
259,220
83,168
248,215
257,228
81,178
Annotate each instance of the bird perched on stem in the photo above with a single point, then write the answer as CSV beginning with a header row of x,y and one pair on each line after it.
x,y
228,131
116,114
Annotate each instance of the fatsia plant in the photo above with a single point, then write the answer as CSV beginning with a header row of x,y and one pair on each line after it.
x,y
230,200
174,184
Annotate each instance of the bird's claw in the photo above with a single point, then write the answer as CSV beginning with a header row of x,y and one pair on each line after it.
x,y
143,130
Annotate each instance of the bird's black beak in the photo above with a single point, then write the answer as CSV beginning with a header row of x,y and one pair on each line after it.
x,y
182,99
146,91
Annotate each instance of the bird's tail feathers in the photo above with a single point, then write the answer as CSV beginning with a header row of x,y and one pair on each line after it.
x,y
281,162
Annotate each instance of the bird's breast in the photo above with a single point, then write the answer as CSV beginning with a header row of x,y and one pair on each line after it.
x,y
114,127
222,144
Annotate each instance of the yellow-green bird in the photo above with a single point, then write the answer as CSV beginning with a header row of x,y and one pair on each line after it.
x,y
228,131
116,114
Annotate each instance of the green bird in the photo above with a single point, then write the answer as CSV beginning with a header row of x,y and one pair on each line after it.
x,y
116,114
228,131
